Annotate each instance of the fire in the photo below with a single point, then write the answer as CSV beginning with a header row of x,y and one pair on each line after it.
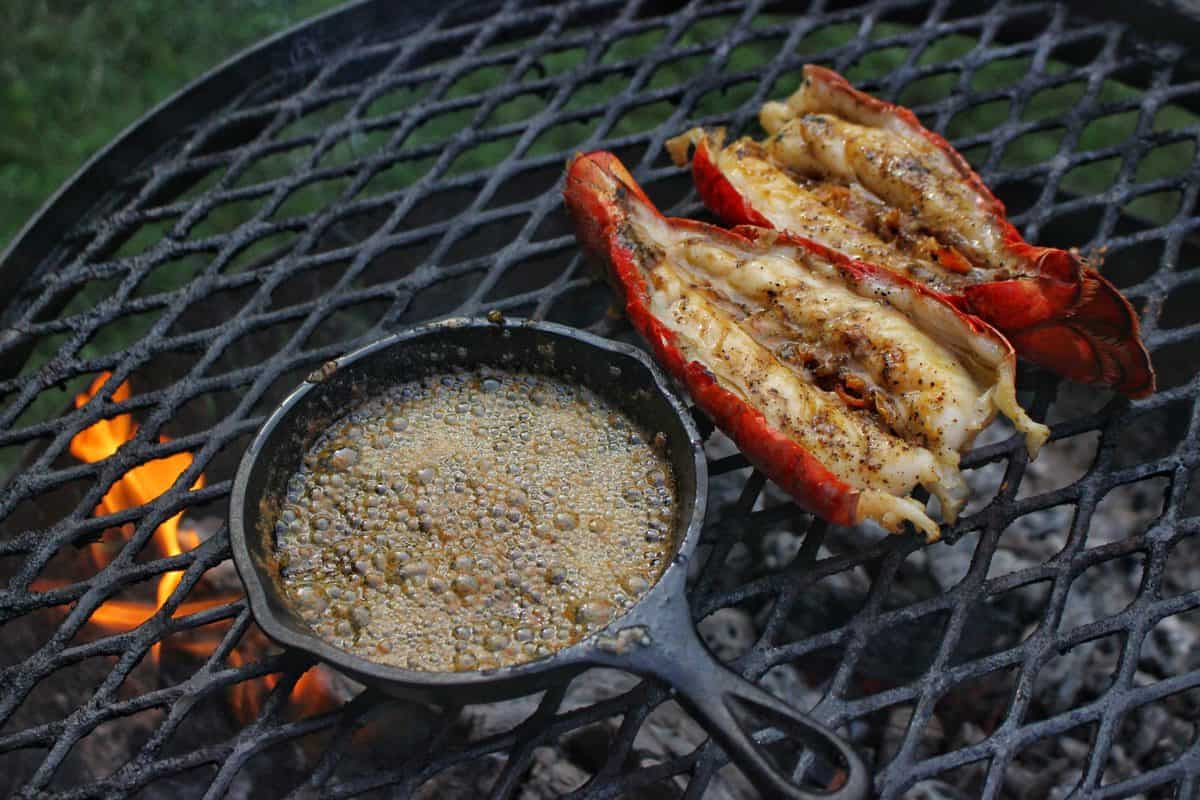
x,y
142,485
136,487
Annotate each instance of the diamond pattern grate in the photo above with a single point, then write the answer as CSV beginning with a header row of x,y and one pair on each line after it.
x,y
411,171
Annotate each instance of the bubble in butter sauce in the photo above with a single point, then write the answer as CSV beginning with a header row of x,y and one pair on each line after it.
x,y
474,520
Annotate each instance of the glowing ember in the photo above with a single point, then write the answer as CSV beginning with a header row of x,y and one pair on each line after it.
x,y
139,486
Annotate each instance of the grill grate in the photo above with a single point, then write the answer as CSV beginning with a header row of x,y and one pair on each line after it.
x,y
347,186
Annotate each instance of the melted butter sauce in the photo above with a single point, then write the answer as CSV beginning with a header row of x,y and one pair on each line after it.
x,y
474,520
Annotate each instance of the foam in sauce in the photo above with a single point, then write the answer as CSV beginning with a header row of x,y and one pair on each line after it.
x,y
474,520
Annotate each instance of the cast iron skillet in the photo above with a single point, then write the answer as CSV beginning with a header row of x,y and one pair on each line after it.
x,y
655,638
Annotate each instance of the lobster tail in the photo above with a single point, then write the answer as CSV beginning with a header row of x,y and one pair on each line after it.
x,y
845,383
863,177
1086,331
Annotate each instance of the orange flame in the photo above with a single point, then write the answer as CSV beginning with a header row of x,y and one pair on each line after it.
x,y
142,485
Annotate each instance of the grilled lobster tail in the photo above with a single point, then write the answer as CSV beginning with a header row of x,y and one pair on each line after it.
x,y
845,383
864,177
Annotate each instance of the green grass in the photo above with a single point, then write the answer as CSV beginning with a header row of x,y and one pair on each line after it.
x,y
73,74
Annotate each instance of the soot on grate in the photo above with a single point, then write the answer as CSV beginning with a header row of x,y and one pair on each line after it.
x,y
371,171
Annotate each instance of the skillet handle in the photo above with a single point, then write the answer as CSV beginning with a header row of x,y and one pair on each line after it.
x,y
726,705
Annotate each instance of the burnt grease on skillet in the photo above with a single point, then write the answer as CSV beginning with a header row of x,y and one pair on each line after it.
x,y
474,519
